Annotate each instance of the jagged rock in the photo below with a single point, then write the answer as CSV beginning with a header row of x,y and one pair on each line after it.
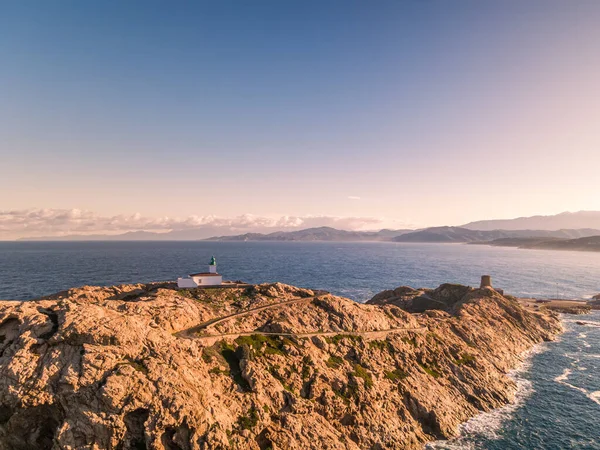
x,y
124,367
594,303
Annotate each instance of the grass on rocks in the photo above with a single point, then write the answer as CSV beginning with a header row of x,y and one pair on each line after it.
x,y
362,372
395,375
265,345
466,358
249,421
335,340
430,371
334,362
232,358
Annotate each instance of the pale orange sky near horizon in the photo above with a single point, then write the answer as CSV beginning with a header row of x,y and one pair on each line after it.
x,y
421,116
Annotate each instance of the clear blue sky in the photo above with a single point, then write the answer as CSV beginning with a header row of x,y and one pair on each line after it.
x,y
432,112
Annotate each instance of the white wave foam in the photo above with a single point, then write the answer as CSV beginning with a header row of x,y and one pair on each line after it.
x,y
564,376
594,396
489,424
562,379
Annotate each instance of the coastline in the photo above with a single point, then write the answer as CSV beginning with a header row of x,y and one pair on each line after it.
x,y
489,422
359,374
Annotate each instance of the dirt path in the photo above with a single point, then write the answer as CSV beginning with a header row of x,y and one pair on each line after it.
x,y
371,333
191,333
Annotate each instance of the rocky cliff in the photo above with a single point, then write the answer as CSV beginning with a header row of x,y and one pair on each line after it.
x,y
265,367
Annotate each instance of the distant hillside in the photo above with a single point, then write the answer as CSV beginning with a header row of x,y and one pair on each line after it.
x,y
460,234
328,234
588,244
566,220
520,242
315,234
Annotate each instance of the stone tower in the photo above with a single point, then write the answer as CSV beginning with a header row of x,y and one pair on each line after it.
x,y
486,281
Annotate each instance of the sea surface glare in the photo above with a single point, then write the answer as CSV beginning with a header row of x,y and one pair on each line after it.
x,y
558,403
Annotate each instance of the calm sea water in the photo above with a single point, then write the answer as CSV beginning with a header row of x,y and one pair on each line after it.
x,y
559,390
354,270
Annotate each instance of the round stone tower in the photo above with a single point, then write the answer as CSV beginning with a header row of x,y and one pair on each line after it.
x,y
486,281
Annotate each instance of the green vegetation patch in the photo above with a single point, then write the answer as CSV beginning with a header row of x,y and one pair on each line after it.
x,y
274,370
410,341
137,364
249,421
430,371
384,346
335,362
218,371
362,372
209,354
233,361
466,358
307,363
265,345
335,340
395,375
214,295
347,393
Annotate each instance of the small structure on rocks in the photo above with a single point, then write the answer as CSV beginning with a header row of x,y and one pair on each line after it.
x,y
210,278
486,282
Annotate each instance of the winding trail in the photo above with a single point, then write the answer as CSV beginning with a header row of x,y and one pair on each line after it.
x,y
192,333
373,333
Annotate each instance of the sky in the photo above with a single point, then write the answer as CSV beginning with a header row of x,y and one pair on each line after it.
x,y
275,114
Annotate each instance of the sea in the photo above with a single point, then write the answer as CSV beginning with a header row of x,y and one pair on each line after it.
x,y
558,397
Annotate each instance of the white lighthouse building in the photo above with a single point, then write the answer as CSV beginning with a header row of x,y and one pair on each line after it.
x,y
210,278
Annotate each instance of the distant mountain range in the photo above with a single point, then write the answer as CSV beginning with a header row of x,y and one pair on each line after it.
x,y
561,226
562,221
460,234
316,234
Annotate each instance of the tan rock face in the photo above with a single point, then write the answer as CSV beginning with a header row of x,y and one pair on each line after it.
x,y
149,367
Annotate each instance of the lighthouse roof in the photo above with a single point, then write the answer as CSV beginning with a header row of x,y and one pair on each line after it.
x,y
213,261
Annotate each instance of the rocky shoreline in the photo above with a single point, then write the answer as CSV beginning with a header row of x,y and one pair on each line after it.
x,y
269,366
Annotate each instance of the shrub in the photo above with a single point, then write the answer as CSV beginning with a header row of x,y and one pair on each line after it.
x,y
265,345
379,345
340,337
395,375
334,362
274,370
362,372
306,365
430,371
249,421
410,341
466,358
232,359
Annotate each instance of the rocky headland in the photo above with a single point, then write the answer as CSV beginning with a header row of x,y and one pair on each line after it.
x,y
263,367
594,303
583,244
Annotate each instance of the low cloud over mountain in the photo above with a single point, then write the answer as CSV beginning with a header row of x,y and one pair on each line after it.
x,y
62,222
